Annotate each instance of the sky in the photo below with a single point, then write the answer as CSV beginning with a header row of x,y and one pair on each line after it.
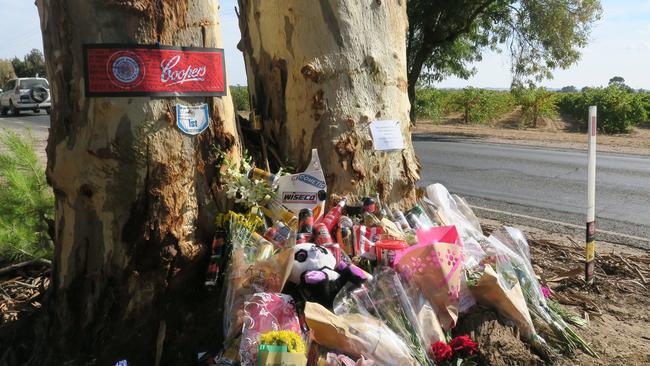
x,y
619,46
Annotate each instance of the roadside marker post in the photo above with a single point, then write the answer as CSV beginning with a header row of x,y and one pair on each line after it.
x,y
590,255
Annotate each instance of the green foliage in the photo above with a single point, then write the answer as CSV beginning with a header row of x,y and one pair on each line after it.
x,y
482,106
645,100
617,80
240,97
32,64
6,72
26,202
618,108
434,103
569,89
446,37
620,82
535,103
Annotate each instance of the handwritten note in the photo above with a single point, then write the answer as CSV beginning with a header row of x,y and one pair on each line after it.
x,y
387,135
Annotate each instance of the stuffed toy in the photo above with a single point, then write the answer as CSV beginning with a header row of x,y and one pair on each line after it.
x,y
316,276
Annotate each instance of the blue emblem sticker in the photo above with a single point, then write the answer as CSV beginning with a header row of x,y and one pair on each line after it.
x,y
192,119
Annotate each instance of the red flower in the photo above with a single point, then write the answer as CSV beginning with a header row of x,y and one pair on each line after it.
x,y
463,345
441,351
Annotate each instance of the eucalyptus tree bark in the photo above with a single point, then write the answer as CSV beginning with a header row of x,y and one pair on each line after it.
x,y
135,197
318,73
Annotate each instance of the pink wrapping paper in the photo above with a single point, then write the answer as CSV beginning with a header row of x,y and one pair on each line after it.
x,y
435,266
265,312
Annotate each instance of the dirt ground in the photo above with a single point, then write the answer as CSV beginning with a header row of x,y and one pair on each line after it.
x,y
552,132
617,306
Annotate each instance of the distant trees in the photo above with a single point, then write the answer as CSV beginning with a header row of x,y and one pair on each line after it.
x,y
616,80
535,103
6,72
619,109
446,37
569,89
31,65
619,82
240,97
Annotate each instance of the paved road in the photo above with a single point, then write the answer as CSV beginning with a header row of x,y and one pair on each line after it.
x,y
543,188
536,183
38,122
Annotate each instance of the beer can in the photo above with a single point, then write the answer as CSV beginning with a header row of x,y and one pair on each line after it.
x,y
369,204
414,221
322,234
399,217
345,239
387,250
306,221
303,238
278,234
267,177
422,216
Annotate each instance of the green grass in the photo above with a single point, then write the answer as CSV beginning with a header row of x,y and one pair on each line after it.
x,y
26,201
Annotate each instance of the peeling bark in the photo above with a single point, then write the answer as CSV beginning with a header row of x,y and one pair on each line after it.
x,y
319,72
135,197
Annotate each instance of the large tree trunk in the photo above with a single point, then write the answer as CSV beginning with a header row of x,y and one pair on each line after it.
x,y
319,72
135,197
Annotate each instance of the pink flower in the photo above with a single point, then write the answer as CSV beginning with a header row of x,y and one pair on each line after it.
x,y
546,292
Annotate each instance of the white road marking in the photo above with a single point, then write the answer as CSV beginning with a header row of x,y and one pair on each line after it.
x,y
561,223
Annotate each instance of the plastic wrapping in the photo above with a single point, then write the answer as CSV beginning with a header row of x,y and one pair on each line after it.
x,y
435,265
387,299
264,312
513,262
245,279
452,210
358,335
448,212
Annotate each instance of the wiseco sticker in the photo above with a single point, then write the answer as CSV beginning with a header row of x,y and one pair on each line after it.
x,y
299,197
151,70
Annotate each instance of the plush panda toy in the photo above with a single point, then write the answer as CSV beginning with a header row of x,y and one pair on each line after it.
x,y
316,276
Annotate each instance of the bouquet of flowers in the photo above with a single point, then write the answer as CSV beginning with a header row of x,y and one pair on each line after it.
x,y
245,279
435,265
517,265
358,335
239,187
460,351
385,298
265,312
281,347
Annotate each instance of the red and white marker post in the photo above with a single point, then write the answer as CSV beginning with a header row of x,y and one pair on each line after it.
x,y
590,256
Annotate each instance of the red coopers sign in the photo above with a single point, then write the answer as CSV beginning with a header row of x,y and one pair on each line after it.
x,y
141,70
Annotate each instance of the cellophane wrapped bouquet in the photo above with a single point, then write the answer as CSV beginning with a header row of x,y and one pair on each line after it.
x,y
366,283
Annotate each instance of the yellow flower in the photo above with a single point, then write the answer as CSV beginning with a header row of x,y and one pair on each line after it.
x,y
287,338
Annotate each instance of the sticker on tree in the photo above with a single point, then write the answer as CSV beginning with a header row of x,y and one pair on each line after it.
x,y
192,119
152,70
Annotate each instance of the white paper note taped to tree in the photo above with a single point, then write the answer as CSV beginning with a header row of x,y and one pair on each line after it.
x,y
387,135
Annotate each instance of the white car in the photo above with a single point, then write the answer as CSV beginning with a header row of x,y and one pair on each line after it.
x,y
25,94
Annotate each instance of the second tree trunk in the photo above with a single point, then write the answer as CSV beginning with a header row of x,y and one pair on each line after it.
x,y
319,72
